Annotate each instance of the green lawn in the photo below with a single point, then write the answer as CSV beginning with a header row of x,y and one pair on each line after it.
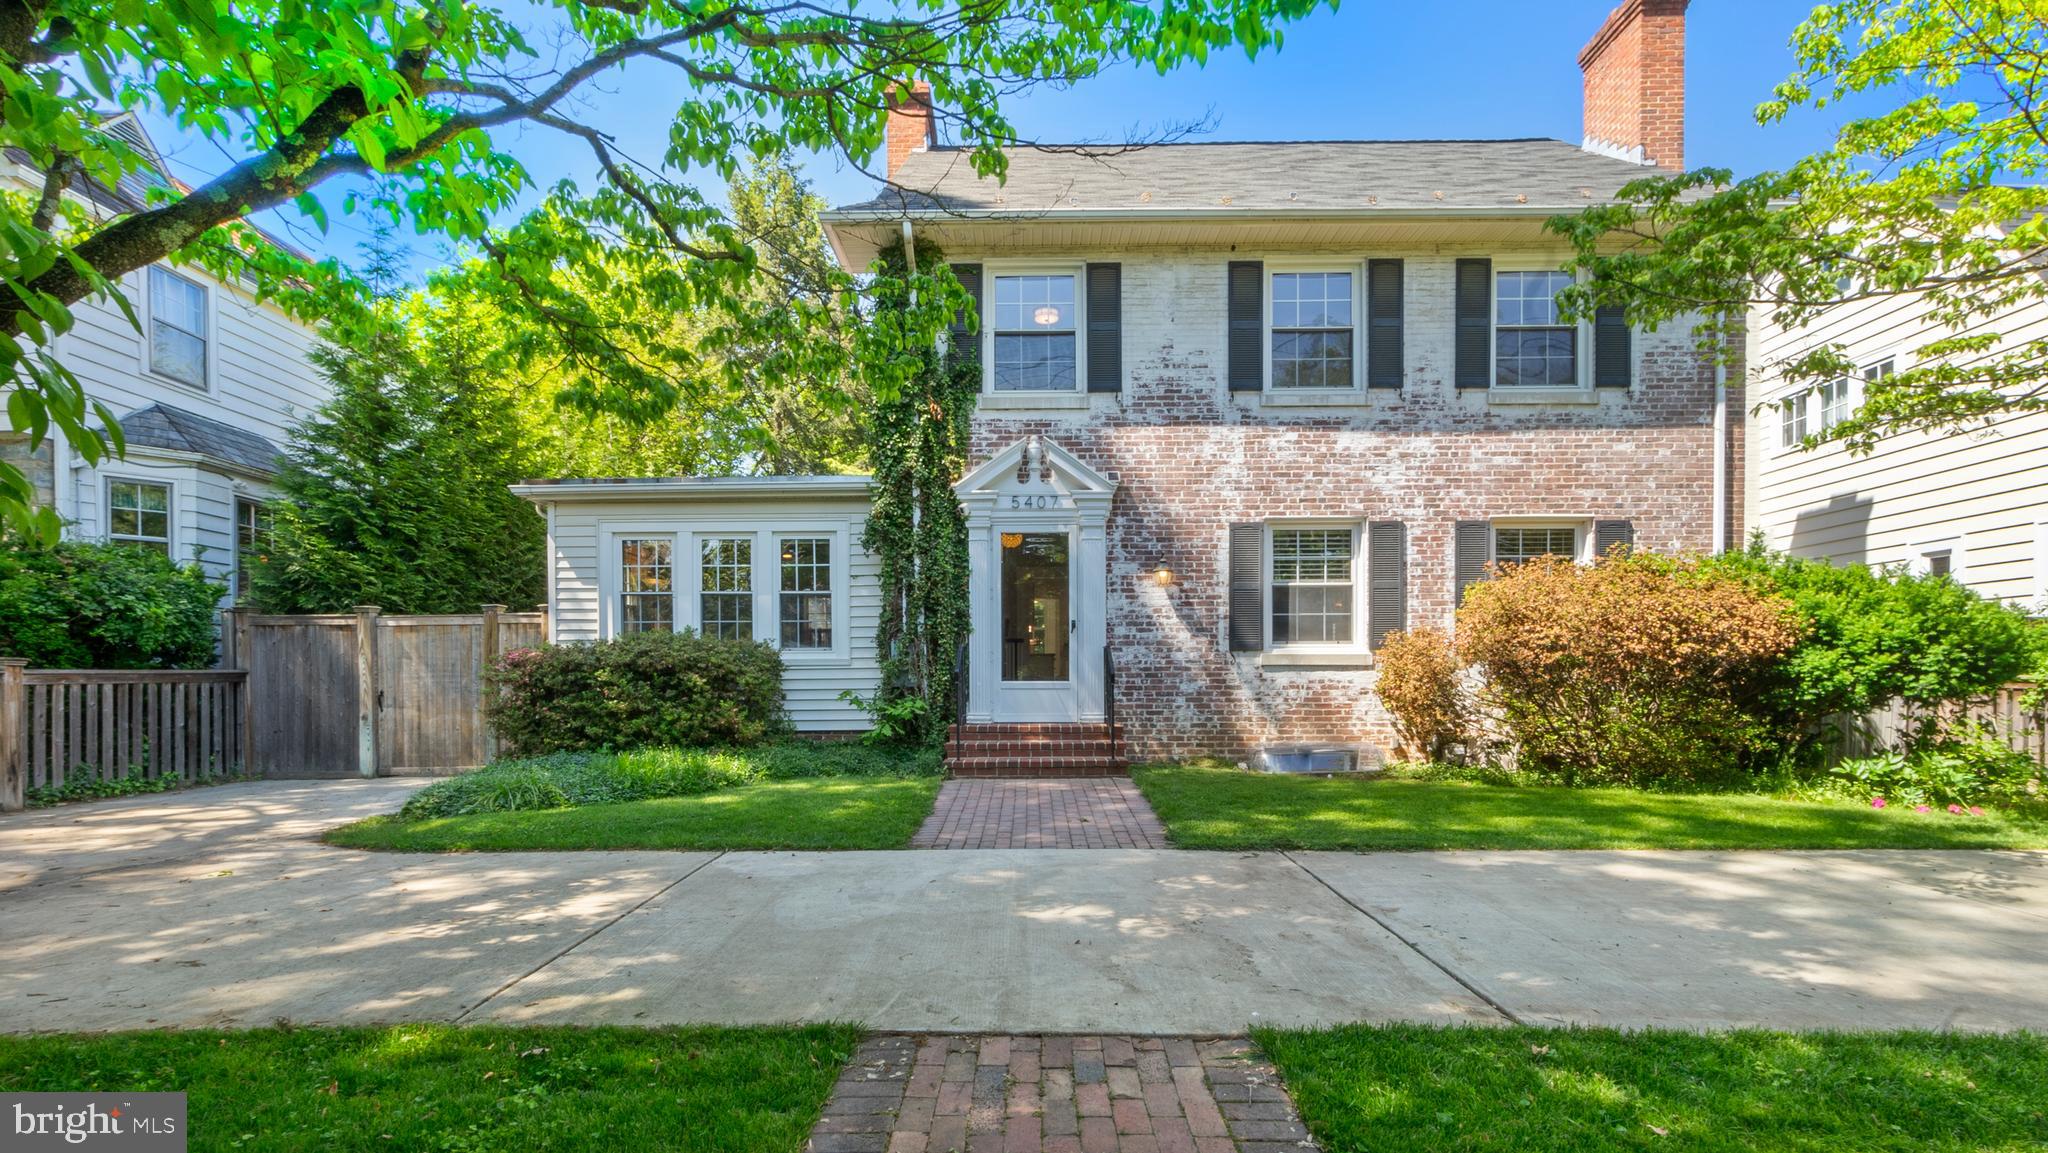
x,y
819,813
417,1087
1220,808
1415,1089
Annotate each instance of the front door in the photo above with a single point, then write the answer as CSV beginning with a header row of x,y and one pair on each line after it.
x,y
1039,626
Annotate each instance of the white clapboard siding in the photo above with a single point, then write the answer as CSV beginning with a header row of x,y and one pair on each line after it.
x,y
1982,493
579,526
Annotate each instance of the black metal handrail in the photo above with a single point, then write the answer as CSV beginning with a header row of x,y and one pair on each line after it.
x,y
960,684
1108,687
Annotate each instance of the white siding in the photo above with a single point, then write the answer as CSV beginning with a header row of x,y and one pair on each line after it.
x,y
1983,493
583,575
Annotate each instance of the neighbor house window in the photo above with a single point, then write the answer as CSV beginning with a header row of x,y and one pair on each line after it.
x,y
139,514
725,601
1834,403
1313,587
177,327
1034,334
1941,563
1513,545
1792,420
1531,345
252,536
806,593
1312,330
647,585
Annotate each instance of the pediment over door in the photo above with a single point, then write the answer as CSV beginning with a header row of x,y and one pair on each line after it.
x,y
1034,474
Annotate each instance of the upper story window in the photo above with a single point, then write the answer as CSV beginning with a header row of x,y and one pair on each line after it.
x,y
725,597
1515,544
139,514
1313,324
252,535
647,600
1034,334
1835,403
806,593
1532,347
1792,420
177,327
1313,585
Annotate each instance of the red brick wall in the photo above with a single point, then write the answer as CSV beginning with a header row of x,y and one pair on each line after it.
x,y
1191,460
1635,81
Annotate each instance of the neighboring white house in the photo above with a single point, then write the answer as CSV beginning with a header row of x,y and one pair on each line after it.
x,y
206,395
1971,504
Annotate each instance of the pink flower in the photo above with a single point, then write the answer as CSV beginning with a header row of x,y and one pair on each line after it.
x,y
1920,808
1975,811
1957,809
1877,802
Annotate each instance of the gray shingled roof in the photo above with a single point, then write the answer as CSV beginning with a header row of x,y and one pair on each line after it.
x,y
1331,175
174,429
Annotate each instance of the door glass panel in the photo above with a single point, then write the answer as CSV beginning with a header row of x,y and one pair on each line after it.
x,y
1035,611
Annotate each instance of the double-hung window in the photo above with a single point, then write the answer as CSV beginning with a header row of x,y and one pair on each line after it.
x,y
1835,402
1514,544
725,583
647,602
139,514
1313,326
177,327
252,535
1034,334
1532,346
1792,420
1314,590
805,593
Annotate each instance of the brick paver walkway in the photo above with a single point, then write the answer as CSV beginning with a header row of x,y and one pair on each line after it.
x,y
1041,814
1058,1095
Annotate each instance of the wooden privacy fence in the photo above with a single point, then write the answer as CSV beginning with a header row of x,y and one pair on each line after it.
x,y
2004,712
367,694
60,726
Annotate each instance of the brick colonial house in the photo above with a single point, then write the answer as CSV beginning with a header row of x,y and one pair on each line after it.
x,y
1247,408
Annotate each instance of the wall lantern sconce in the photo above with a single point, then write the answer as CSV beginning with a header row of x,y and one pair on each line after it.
x,y
1162,574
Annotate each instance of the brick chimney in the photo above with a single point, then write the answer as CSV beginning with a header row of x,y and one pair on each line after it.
x,y
911,128
1635,83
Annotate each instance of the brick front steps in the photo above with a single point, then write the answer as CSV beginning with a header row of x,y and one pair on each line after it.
x,y
1062,1094
1012,750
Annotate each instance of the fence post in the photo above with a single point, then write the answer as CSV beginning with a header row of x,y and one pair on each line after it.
x,y
366,690
493,646
546,623
246,715
13,734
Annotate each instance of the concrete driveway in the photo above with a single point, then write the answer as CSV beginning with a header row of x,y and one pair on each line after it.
x,y
217,907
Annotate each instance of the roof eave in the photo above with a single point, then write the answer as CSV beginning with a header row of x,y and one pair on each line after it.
x,y
691,488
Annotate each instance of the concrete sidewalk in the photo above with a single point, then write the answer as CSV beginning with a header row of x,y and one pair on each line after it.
x,y
217,908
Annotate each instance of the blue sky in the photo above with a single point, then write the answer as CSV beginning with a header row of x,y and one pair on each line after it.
x,y
1375,69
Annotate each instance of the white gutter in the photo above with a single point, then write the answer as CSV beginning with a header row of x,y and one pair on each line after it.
x,y
1720,535
1050,214
691,488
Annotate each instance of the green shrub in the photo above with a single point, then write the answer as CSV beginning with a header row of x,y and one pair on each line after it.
x,y
565,780
95,606
1962,768
1875,637
641,691
1638,670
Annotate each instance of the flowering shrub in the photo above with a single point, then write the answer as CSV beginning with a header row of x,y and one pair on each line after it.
x,y
1421,686
636,692
1636,670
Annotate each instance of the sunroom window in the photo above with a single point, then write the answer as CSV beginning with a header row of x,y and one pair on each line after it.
x,y
725,601
806,593
647,585
1532,346
1034,334
1312,330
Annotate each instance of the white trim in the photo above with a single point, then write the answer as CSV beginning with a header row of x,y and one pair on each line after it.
x,y
2039,603
170,487
1357,646
842,563
686,579
718,488
986,334
1920,557
211,339
1285,266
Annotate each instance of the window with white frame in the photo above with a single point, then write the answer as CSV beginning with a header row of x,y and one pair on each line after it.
x,y
1835,402
1314,586
1532,345
1792,420
1313,324
647,602
725,583
1035,349
252,536
1513,544
177,327
139,514
805,593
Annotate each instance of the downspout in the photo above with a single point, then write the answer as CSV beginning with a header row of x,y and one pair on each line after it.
x,y
1720,534
909,256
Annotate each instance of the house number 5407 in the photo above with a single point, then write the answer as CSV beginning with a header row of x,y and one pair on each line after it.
x,y
1031,500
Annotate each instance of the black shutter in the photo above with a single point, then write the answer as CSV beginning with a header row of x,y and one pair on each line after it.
x,y
1386,574
1475,324
965,335
1471,552
1247,326
1608,533
1383,324
1105,328
1247,587
1611,359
